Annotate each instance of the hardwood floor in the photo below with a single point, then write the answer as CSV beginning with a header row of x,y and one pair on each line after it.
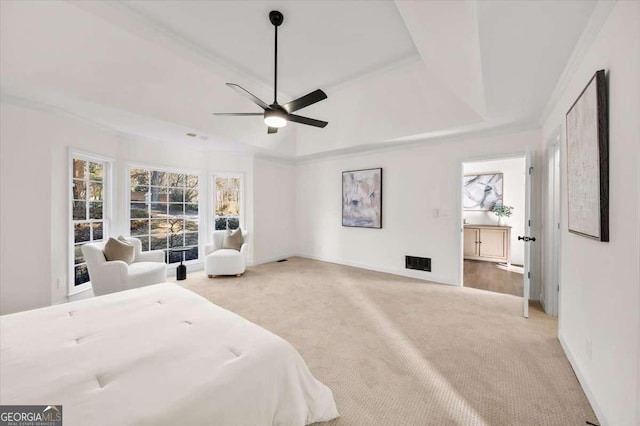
x,y
487,276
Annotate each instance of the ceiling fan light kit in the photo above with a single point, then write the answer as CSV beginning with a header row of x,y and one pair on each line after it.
x,y
275,118
276,115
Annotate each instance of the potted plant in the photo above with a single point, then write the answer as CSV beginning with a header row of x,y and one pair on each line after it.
x,y
502,211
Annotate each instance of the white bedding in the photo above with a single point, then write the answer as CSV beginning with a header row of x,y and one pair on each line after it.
x,y
158,355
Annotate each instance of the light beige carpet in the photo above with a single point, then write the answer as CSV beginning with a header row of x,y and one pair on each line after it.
x,y
399,351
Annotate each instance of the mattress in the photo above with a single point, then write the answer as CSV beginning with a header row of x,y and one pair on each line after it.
x,y
157,355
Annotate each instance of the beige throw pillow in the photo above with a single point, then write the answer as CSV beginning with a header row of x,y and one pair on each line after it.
x,y
119,250
233,239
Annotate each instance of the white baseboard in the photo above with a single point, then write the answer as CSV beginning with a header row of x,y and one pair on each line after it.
x,y
270,259
421,275
511,268
583,382
544,305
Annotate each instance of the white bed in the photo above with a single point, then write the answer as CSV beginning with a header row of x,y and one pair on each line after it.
x,y
158,355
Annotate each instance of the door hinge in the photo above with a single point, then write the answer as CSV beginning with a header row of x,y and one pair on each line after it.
x,y
531,170
529,275
529,222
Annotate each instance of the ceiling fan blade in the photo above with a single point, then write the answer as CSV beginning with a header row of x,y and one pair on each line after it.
x,y
306,120
305,101
272,130
249,95
239,114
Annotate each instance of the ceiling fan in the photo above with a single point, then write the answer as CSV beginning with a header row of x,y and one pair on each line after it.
x,y
276,115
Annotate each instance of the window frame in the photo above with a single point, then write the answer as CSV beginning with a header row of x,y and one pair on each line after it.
x,y
107,211
167,169
213,196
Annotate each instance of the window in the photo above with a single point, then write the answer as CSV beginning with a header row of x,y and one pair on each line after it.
x,y
164,211
89,209
228,193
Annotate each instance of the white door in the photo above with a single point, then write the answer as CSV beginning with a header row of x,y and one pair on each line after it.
x,y
551,227
556,231
528,239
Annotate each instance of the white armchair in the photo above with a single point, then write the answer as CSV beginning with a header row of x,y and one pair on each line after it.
x,y
219,261
111,276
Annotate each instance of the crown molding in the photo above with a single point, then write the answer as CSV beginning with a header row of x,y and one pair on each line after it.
x,y
484,130
432,139
284,160
29,103
598,17
36,105
133,20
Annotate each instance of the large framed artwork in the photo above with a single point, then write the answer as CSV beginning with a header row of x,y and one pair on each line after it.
x,y
588,161
482,192
362,198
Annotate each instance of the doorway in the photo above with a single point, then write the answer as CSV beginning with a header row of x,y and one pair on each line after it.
x,y
494,215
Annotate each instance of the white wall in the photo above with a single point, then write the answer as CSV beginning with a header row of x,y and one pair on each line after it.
x,y
417,180
600,282
34,192
513,170
274,224
33,161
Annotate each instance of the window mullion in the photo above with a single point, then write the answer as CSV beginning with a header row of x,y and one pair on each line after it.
x,y
86,228
165,214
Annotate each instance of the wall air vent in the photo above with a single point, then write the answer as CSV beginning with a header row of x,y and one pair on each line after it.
x,y
418,263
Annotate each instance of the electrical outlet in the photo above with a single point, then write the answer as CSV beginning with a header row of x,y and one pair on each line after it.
x,y
588,348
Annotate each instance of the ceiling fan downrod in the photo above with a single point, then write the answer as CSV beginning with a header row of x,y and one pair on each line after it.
x,y
276,115
276,19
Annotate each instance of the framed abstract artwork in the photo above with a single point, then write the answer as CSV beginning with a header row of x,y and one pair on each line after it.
x,y
362,198
482,192
588,161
